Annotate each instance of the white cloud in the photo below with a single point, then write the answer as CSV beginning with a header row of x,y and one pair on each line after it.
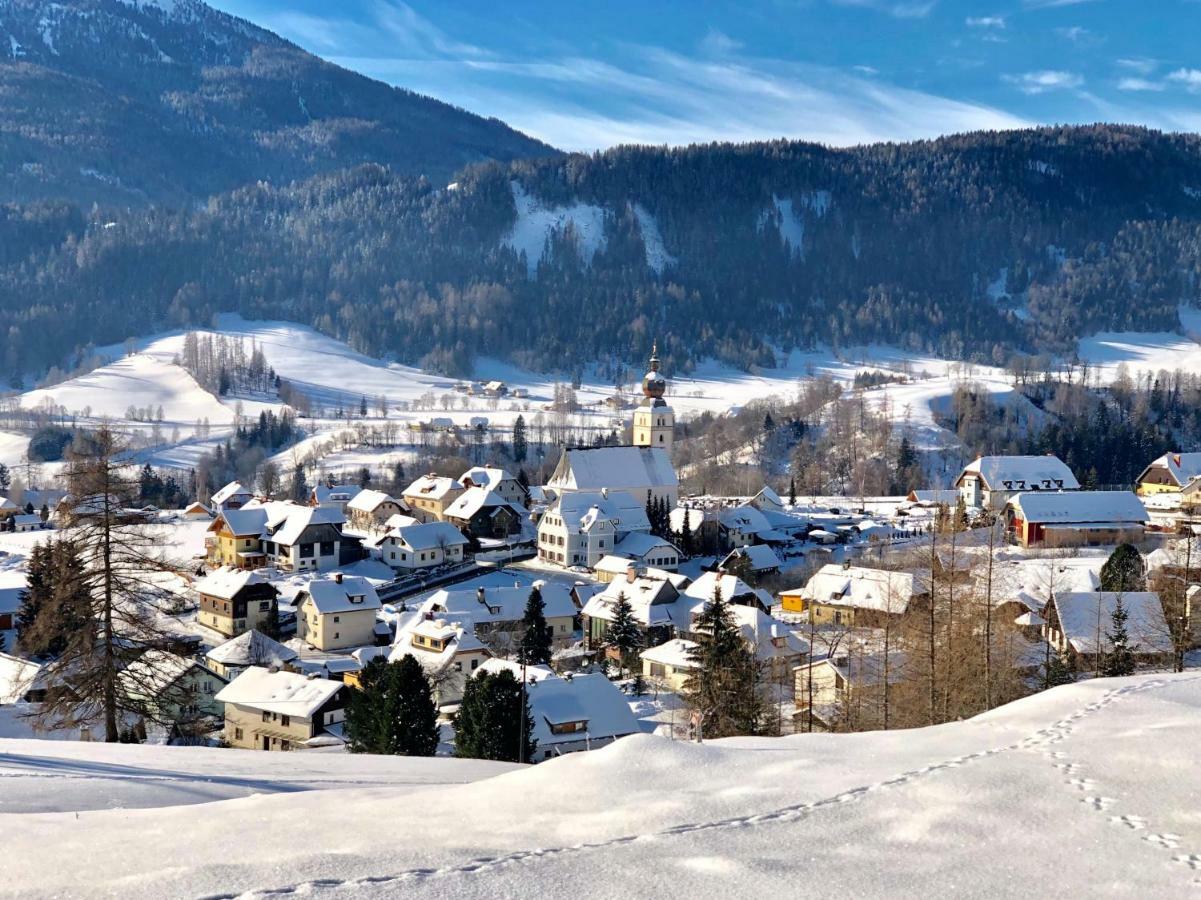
x,y
1190,78
718,43
1139,84
1140,65
901,9
1043,81
1051,4
1074,33
985,22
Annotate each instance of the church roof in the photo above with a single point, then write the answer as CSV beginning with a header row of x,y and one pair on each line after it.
x,y
616,468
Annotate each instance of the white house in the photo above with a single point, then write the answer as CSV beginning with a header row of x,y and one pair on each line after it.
x,y
299,538
334,496
491,610
643,472
337,613
273,709
447,651
990,481
581,527
232,496
654,599
498,480
423,546
370,510
647,550
250,648
733,590
577,712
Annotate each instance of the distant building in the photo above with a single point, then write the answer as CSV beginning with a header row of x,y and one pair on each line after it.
x,y
232,496
990,481
1079,622
337,613
251,648
654,420
857,596
484,513
369,510
234,600
268,709
577,712
1076,518
430,495
498,480
423,545
447,651
582,527
1168,474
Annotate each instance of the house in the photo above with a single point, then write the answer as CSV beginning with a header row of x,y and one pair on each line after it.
x,y
751,563
645,473
495,389
669,664
991,481
235,538
303,538
371,510
234,600
742,526
826,687
1168,474
273,709
21,680
498,480
654,602
581,527
1078,622
932,499
448,652
610,567
173,690
732,589
333,496
12,586
496,612
1052,519
197,512
250,648
650,551
858,596
232,496
430,495
484,513
577,712
410,548
337,613
767,500
8,509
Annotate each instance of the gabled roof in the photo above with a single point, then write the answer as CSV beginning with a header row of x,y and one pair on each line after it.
x,y
639,543
433,487
336,493
676,653
746,519
155,671
932,498
593,699
500,604
329,595
1086,617
652,598
285,693
759,557
251,648
243,522
17,677
472,500
459,638
581,510
860,587
1022,473
233,489
768,636
368,501
226,583
428,536
1080,507
486,476
616,468
730,587
298,518
1181,467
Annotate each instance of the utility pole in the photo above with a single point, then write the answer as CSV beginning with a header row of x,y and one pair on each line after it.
x,y
521,735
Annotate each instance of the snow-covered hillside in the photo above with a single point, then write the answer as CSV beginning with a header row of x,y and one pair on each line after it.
x,y
1086,790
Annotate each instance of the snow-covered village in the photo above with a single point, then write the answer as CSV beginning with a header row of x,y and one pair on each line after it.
x,y
660,450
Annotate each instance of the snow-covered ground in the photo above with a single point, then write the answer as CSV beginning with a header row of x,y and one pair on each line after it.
x,y
1086,790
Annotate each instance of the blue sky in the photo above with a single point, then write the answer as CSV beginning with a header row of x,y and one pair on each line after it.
x,y
584,76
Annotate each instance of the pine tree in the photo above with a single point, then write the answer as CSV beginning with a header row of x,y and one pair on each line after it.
x,y
1119,661
1124,571
535,647
364,477
624,633
1058,669
792,490
492,722
520,444
724,686
363,407
6,480
393,712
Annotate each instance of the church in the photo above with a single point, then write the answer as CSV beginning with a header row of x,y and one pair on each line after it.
x,y
602,492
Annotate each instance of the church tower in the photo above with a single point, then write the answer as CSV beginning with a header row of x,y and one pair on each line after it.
x,y
654,420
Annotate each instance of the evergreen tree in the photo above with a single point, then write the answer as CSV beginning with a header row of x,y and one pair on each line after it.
x,y
1119,661
55,600
6,480
535,647
300,485
792,490
492,721
364,477
724,686
1058,669
363,407
393,712
1124,571
520,445
270,626
624,633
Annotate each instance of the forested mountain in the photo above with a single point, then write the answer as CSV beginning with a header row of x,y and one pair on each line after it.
x,y
977,246
135,102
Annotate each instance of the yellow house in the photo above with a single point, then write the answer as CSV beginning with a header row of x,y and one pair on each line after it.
x,y
270,709
235,538
669,664
793,600
337,613
1169,474
851,596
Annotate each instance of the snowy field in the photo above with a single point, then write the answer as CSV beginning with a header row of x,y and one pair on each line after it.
x,y
1085,790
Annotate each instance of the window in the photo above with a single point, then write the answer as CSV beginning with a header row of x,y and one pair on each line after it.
x,y
237,734
285,721
337,618
306,550
327,548
475,664
458,666
336,635
264,606
266,716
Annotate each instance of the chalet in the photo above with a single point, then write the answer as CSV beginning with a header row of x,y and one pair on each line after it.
x,y
495,389
303,538
497,611
1168,474
423,545
767,500
173,690
1079,622
268,709
647,550
1052,519
824,688
232,496
333,496
235,600
669,664
498,480
577,712
654,602
751,563
197,511
250,648
991,481
371,510
235,538
645,473
337,613
484,513
732,589
430,495
448,652
743,526
581,527
21,680
857,596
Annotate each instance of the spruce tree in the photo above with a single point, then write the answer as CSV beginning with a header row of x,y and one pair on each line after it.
x,y
492,719
1058,669
535,647
1124,571
393,712
792,490
624,633
1119,661
520,444
724,686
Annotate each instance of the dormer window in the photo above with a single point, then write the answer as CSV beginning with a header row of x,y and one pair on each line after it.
x,y
568,727
357,598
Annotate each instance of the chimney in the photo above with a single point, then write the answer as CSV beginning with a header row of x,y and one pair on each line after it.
x,y
479,595
338,577
631,574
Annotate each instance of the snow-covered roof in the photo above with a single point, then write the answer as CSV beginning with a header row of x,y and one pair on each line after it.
x,y
472,500
613,564
592,699
694,517
336,493
246,521
731,587
1085,618
674,653
233,489
759,557
652,598
285,693
459,638
639,544
432,487
866,668
428,536
27,519
499,604
485,476
1181,467
225,583
767,635
330,595
746,519
532,672
860,587
17,677
767,497
156,670
932,498
616,468
368,501
1080,507
400,520
1022,473
581,510
251,648
298,518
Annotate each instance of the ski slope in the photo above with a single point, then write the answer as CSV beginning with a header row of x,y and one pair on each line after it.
x,y
1086,790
